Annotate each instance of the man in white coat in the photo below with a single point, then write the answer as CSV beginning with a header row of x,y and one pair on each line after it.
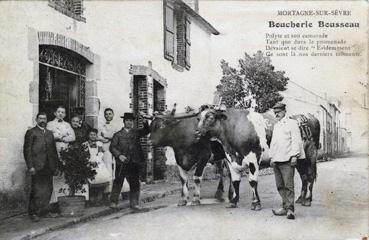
x,y
62,131
63,135
285,149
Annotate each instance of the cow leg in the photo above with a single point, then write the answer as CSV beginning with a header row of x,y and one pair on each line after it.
x,y
220,188
197,179
302,170
311,154
253,163
235,180
184,181
196,194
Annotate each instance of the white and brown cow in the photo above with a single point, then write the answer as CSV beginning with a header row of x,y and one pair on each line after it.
x,y
246,137
241,141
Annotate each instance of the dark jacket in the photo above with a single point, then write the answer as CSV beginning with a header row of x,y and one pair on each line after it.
x,y
39,149
81,137
128,144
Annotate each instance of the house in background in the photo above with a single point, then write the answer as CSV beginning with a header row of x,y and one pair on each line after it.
x,y
300,100
354,118
90,55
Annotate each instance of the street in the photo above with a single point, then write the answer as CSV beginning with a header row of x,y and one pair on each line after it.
x,y
339,211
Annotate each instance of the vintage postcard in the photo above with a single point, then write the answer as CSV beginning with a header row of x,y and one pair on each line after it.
x,y
183,119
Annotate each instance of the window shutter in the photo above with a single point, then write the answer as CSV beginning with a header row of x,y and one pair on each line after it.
x,y
168,32
181,38
188,42
78,7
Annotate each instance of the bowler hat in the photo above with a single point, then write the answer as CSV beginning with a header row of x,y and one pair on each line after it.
x,y
279,105
128,115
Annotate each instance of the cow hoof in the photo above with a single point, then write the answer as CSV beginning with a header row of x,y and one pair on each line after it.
x,y
182,203
306,203
255,206
232,205
299,200
195,203
219,196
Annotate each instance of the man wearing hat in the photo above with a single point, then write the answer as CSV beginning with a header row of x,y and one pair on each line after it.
x,y
125,147
284,151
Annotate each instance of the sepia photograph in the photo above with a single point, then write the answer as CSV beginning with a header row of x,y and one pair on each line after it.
x,y
184,119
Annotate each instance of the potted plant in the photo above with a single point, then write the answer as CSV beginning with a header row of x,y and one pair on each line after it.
x,y
77,170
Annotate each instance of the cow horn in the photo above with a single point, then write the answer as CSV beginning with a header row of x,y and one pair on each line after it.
x,y
187,115
174,109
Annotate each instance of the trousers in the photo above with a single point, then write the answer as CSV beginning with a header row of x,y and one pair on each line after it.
x,y
284,178
41,190
131,171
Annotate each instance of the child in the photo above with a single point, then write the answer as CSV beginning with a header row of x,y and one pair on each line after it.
x,y
95,149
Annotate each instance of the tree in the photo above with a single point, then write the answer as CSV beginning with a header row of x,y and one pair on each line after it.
x,y
255,79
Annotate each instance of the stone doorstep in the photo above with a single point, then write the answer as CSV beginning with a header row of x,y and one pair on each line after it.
x,y
150,197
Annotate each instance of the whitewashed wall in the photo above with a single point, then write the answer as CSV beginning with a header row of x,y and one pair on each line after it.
x,y
121,33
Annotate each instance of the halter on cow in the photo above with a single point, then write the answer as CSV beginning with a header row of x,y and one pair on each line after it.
x,y
179,132
246,136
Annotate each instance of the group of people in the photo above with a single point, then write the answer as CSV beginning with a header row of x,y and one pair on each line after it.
x,y
122,155
119,151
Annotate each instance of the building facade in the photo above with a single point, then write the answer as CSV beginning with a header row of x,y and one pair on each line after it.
x,y
89,55
354,118
300,100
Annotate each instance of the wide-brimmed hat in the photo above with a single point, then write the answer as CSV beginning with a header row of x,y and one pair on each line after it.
x,y
279,106
128,115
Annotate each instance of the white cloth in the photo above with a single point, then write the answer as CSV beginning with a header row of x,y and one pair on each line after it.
x,y
102,173
286,141
62,130
106,132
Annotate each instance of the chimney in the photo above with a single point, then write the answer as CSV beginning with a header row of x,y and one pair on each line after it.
x,y
194,4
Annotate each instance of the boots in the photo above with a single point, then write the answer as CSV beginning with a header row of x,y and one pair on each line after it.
x,y
134,200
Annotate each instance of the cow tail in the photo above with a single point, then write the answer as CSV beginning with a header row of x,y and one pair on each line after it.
x,y
317,136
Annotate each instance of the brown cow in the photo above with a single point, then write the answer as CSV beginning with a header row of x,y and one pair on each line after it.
x,y
179,132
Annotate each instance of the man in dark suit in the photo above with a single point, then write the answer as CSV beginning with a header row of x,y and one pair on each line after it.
x,y
126,148
41,158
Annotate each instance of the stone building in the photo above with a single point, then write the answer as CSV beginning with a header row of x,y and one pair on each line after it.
x,y
89,55
301,100
354,118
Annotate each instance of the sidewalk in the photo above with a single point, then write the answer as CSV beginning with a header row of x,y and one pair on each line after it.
x,y
21,227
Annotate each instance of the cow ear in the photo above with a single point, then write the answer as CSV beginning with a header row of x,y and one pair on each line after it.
x,y
221,116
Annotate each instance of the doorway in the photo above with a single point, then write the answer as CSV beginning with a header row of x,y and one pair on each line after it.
x,y
149,95
62,81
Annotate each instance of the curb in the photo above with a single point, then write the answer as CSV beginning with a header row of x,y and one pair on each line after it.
x,y
103,212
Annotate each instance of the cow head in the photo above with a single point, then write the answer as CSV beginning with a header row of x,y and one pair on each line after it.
x,y
210,119
167,129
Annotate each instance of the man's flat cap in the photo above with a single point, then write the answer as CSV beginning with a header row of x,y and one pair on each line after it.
x,y
280,105
128,115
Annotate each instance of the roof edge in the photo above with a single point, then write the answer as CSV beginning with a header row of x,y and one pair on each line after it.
x,y
197,16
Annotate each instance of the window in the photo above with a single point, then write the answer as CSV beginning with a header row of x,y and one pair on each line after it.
x,y
177,38
169,33
71,8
